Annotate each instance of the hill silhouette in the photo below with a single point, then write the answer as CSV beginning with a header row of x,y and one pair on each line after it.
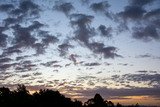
x,y
47,98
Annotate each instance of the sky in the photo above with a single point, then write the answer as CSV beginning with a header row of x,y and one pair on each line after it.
x,y
83,47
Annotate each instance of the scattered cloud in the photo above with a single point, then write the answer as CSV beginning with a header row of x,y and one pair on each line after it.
x,y
105,31
92,64
6,7
63,7
100,7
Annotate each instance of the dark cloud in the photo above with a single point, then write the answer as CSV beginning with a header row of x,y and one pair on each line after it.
x,y
66,65
57,66
40,81
90,83
107,52
4,67
56,70
6,7
39,47
146,33
132,12
63,48
30,8
16,12
135,9
21,57
123,64
144,56
23,37
35,25
85,1
63,7
37,73
11,50
49,64
6,75
143,71
151,79
25,75
146,25
140,2
105,31
73,58
49,39
11,21
25,66
107,92
152,14
4,60
3,39
100,7
92,64
83,31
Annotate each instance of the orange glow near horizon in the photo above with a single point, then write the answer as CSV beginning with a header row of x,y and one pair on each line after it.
x,y
141,100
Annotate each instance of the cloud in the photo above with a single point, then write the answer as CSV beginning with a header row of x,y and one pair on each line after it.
x,y
6,7
152,13
107,52
63,7
73,58
25,75
83,31
143,71
145,23
123,64
49,64
140,2
49,39
37,73
23,37
132,12
12,21
57,66
100,7
146,33
30,8
105,31
66,65
85,1
108,93
39,47
150,79
11,50
5,75
92,64
4,67
21,57
25,66
144,56
63,48
35,25
4,60
3,39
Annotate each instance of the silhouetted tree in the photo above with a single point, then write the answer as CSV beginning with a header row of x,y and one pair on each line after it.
x,y
97,101
47,98
119,105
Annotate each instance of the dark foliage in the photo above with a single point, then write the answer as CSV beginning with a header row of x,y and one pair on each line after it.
x,y
47,98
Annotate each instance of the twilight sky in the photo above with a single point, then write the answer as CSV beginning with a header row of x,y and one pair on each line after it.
x,y
83,47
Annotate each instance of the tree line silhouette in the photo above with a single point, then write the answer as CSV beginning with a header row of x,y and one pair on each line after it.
x,y
47,98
